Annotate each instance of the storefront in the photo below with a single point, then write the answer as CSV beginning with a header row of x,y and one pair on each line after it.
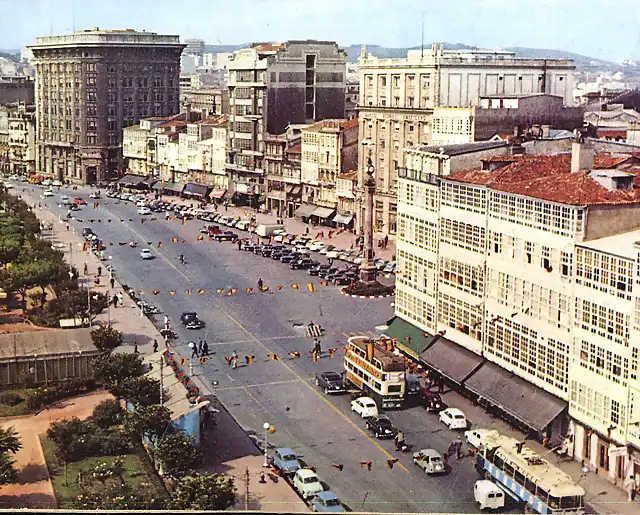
x,y
304,212
343,220
322,215
195,190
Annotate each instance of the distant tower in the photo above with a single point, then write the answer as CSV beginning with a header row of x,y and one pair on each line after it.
x,y
363,52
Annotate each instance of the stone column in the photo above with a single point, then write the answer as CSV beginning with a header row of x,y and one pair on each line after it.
x,y
368,270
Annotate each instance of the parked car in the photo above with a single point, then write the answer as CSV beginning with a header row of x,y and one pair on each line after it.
x,y
324,272
488,495
430,461
365,407
79,201
477,437
327,502
390,268
143,211
453,418
301,264
326,248
285,459
413,385
333,254
191,321
288,258
249,246
432,401
306,482
380,264
381,426
48,193
342,280
331,382
276,254
316,269
266,250
146,254
226,236
86,231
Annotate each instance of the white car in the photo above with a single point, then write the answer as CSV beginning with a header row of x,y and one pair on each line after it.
x,y
48,193
146,254
141,203
477,437
307,483
47,182
57,184
365,407
144,211
453,418
333,254
316,246
64,198
95,194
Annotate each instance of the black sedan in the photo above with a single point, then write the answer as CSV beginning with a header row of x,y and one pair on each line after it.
x,y
276,254
191,321
317,269
330,382
381,427
302,264
324,272
288,258
226,236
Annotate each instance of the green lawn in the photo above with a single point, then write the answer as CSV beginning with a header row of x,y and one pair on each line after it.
x,y
138,472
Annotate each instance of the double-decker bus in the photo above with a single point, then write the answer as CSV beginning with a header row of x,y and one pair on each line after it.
x,y
528,477
374,368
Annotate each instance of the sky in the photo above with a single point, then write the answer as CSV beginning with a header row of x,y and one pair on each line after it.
x,y
604,29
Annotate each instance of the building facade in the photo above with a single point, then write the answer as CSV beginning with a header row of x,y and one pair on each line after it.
x,y
22,139
270,87
525,271
398,97
91,84
17,89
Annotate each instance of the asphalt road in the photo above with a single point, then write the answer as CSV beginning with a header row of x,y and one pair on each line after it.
x,y
321,429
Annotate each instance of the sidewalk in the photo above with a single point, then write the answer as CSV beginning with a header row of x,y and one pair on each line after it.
x,y
601,496
344,240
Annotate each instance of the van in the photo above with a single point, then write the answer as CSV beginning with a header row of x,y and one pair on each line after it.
x,y
264,230
488,495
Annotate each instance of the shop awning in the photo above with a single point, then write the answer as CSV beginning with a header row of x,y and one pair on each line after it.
x,y
451,360
522,400
294,190
158,186
175,187
149,181
217,193
323,212
409,339
305,210
131,180
195,189
343,218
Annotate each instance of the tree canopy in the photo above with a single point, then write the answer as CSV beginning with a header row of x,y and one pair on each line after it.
x,y
116,367
204,492
178,455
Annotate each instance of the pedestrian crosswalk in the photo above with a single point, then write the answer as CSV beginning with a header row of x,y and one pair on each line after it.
x,y
313,330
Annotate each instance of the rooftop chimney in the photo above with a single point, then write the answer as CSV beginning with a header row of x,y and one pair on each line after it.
x,y
546,131
369,350
582,156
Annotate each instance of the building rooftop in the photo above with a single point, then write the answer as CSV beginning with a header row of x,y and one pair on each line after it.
x,y
172,123
95,36
462,148
351,175
295,149
47,343
624,245
549,177
613,160
333,125
520,95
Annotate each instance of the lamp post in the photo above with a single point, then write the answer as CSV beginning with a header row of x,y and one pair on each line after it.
x,y
266,427
368,270
191,347
141,304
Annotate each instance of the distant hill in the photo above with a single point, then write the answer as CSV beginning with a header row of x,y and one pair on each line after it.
x,y
353,52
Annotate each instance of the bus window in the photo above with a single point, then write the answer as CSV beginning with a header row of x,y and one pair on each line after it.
x,y
554,502
542,495
508,469
571,502
377,386
530,486
519,477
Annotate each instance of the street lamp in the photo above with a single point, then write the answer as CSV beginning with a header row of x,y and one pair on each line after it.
x,y
141,304
191,348
266,427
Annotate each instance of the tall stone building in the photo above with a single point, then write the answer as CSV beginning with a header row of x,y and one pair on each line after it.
x,y
398,98
91,84
270,87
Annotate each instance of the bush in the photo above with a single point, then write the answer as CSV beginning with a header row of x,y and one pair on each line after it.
x,y
10,398
106,338
108,413
61,390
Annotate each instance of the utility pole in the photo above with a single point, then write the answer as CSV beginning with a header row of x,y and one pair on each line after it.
x,y
161,380
246,493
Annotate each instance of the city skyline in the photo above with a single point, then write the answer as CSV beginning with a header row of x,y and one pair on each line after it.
x,y
568,25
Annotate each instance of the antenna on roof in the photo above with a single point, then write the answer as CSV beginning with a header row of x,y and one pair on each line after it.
x,y
73,15
422,37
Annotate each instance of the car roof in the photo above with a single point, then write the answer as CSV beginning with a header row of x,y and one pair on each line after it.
x,y
332,373
285,450
306,473
326,495
145,250
429,452
454,411
363,399
189,313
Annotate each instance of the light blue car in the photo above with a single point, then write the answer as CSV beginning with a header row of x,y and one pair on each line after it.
x,y
327,502
285,459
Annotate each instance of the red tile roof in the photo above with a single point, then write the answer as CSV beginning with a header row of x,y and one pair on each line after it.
x,y
268,47
607,160
351,175
296,149
339,124
172,123
612,133
549,178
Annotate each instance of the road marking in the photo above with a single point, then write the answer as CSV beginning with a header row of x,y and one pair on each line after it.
x,y
258,385
316,392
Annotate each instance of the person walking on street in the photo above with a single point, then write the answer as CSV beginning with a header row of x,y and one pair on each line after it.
x,y
155,346
260,284
135,348
457,445
113,283
629,486
316,346
386,241
85,270
399,440
234,359
205,348
114,300
239,244
99,271
194,352
200,347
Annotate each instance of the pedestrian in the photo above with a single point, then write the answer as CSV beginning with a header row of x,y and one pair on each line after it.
x,y
155,346
86,269
399,440
67,227
306,231
97,281
194,351
260,284
114,300
239,244
113,283
135,348
457,445
99,270
205,348
166,322
226,207
316,346
386,241
200,347
629,486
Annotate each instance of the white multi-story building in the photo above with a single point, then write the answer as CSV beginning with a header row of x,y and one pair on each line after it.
x,y
22,138
524,274
398,98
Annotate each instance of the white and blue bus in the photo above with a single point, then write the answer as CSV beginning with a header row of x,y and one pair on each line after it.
x,y
528,477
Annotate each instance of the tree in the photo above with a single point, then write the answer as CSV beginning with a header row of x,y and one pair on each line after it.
x,y
204,492
107,414
150,421
20,277
106,338
115,368
76,303
139,391
9,443
178,455
11,239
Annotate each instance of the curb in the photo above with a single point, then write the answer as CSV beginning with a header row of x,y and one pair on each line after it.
x,y
369,297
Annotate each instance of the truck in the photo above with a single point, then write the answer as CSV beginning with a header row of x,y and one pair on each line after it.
x,y
265,230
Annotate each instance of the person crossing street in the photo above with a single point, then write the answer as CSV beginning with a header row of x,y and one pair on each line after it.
x,y
205,348
260,284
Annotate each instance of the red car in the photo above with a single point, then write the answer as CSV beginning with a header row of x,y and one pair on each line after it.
x,y
79,201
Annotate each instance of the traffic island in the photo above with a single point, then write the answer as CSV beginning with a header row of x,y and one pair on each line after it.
x,y
367,290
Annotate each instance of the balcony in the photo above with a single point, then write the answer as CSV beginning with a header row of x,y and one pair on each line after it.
x,y
417,175
243,169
